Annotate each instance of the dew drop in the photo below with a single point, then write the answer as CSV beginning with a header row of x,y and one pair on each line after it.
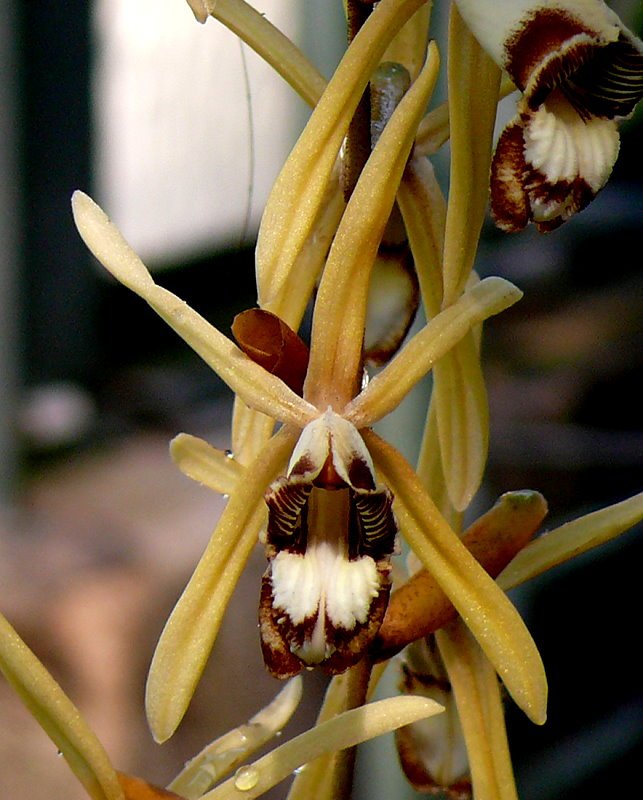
x,y
246,778
229,454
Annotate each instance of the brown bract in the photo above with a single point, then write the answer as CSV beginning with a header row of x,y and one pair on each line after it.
x,y
269,342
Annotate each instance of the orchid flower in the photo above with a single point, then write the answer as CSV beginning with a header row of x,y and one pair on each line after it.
x,y
307,475
580,71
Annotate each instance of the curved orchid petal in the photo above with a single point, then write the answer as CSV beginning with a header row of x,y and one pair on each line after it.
x,y
484,607
346,730
410,365
294,203
340,309
220,757
251,382
57,716
189,633
271,44
205,464
572,539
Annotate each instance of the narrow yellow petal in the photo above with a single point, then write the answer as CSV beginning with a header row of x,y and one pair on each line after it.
x,y
482,605
429,470
291,302
293,206
57,716
257,387
340,308
477,695
346,730
386,390
220,757
423,210
272,45
572,539
462,414
189,633
205,464
474,81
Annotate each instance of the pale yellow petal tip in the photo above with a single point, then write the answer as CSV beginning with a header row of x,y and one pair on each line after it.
x,y
529,691
107,244
163,718
199,10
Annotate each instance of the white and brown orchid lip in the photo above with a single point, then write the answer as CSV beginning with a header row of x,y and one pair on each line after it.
x,y
329,539
580,70
549,164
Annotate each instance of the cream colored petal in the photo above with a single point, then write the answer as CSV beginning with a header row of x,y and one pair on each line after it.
x,y
474,82
346,730
298,193
57,716
463,420
340,309
220,757
205,464
257,387
189,633
482,605
477,695
271,44
571,540
386,390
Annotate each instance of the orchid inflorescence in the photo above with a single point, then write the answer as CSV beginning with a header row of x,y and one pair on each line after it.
x,y
358,228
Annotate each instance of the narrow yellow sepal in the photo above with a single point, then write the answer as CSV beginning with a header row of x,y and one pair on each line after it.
x,y
189,633
220,757
340,309
474,82
271,44
484,607
252,383
205,464
346,730
57,716
477,695
462,414
298,193
411,364
572,539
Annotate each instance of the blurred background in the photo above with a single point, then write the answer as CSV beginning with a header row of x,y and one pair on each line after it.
x,y
179,132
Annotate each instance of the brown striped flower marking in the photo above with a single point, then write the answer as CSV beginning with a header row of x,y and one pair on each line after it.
x,y
580,71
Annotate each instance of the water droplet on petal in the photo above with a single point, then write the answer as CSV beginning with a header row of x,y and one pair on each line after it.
x,y
246,778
